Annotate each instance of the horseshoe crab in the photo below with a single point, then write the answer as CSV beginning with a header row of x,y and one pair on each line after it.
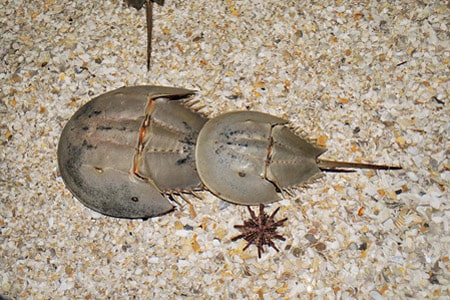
x,y
249,157
123,150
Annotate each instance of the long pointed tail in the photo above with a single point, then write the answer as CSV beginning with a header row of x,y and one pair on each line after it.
x,y
342,166
149,17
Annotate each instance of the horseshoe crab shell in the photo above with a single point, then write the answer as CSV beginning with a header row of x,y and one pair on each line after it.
x,y
123,150
249,157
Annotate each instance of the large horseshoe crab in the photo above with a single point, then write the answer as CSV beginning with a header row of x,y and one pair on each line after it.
x,y
123,150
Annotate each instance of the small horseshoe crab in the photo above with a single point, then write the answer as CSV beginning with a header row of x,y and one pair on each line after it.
x,y
248,158
124,151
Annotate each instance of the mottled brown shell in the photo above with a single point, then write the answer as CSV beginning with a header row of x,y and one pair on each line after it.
x,y
121,151
249,157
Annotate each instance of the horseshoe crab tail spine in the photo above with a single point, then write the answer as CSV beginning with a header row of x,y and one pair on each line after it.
x,y
342,166
149,16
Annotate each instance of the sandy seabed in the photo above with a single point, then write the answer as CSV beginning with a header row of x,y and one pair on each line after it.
x,y
367,79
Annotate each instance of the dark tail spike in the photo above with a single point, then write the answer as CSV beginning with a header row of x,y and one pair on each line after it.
x,y
149,15
342,166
